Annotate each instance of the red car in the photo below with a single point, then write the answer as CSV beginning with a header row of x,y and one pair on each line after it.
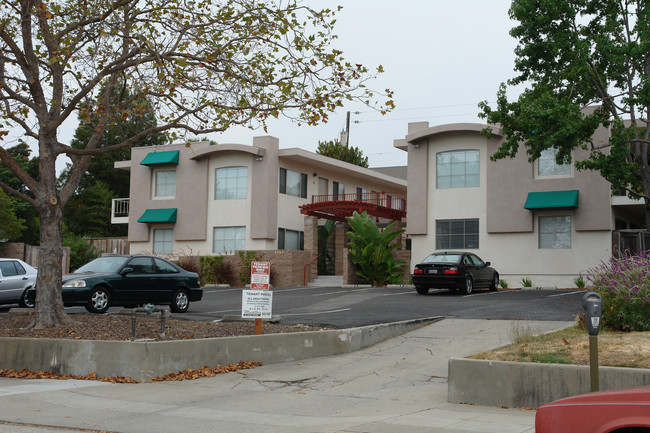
x,y
616,411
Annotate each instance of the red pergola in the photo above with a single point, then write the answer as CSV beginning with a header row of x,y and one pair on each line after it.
x,y
389,205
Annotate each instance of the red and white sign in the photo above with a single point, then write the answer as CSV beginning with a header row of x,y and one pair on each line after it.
x,y
260,275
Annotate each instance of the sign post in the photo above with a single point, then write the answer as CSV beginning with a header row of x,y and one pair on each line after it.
x,y
257,302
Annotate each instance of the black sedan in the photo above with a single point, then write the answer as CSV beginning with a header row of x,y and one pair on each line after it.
x,y
455,271
130,281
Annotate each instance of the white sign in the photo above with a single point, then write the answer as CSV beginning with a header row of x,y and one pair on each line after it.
x,y
256,304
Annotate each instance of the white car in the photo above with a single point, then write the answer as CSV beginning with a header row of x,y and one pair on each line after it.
x,y
16,277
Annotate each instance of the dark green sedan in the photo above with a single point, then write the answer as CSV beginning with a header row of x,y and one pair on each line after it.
x,y
130,281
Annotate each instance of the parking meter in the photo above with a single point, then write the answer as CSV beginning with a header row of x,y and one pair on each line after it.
x,y
593,305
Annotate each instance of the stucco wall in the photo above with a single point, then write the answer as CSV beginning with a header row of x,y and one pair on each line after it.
x,y
508,233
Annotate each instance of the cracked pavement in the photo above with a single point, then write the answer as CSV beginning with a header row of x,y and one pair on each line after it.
x,y
397,385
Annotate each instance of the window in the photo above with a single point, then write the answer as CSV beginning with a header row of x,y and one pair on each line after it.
x,y
293,183
227,240
555,232
163,241
141,265
231,183
162,267
339,190
290,239
456,234
548,166
457,169
8,269
362,193
165,183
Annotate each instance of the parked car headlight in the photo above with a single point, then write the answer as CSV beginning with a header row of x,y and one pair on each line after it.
x,y
75,283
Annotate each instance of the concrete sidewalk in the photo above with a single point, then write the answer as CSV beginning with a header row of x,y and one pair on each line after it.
x,y
399,385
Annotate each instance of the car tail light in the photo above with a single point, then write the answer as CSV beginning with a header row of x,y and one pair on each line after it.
x,y
451,271
418,271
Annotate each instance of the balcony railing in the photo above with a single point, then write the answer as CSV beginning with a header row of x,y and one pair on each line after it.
x,y
120,211
392,200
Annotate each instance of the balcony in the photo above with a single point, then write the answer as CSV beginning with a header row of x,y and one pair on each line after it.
x,y
389,205
120,211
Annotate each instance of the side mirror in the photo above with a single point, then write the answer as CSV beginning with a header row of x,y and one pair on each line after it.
x,y
487,264
126,271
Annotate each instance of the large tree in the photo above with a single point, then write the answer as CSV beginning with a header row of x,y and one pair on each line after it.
x,y
575,54
205,65
88,211
343,152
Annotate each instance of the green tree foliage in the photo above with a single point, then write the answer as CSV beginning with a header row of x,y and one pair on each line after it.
x,y
371,250
334,149
574,54
11,227
89,210
201,65
21,209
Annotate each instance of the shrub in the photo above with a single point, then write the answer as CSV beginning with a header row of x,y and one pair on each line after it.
x,y
81,252
580,282
208,266
526,282
224,272
503,284
190,264
371,250
624,284
247,257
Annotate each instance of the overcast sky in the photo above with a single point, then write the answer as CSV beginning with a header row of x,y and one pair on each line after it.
x,y
441,58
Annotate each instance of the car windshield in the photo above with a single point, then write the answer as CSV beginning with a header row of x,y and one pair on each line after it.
x,y
443,258
102,264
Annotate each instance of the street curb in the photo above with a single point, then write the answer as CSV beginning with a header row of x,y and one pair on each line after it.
x,y
530,385
143,360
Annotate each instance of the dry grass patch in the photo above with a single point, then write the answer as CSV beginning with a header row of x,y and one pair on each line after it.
x,y
571,346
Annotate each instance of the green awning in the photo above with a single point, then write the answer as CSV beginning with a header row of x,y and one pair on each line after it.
x,y
158,216
166,157
552,199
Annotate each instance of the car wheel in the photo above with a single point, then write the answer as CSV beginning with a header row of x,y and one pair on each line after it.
x,y
494,286
469,286
99,300
180,301
422,290
25,300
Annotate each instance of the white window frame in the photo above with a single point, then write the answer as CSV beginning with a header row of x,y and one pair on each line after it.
x,y
459,171
163,241
552,234
234,180
228,239
168,185
547,165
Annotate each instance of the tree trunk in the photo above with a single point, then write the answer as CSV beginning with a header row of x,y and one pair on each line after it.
x,y
49,304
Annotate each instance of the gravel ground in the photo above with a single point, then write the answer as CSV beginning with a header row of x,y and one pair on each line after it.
x,y
119,327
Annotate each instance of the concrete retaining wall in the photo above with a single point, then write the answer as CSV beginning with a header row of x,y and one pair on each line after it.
x,y
144,360
523,384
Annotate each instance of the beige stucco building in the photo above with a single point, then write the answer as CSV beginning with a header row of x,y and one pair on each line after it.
x,y
207,199
541,220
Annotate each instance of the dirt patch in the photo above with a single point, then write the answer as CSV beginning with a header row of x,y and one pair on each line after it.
x,y
571,346
119,327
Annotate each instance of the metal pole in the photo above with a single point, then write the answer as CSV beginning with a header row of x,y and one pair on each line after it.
x,y
593,362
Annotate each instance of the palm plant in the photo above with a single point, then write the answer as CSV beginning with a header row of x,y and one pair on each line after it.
x,y
371,250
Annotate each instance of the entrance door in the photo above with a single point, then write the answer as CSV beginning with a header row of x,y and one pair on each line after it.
x,y
322,186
